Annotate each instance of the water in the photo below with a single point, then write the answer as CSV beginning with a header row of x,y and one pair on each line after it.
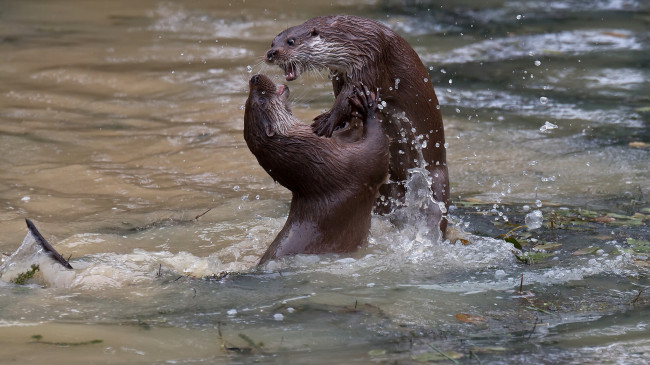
x,y
122,122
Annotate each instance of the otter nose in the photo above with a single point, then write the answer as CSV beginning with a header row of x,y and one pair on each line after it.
x,y
255,79
270,54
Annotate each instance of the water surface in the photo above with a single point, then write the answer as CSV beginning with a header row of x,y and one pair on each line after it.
x,y
120,122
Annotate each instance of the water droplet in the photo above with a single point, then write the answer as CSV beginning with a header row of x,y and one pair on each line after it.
x,y
437,144
438,106
257,197
518,16
534,219
538,203
241,107
450,81
397,83
543,100
235,188
426,80
457,110
538,62
446,145
278,316
443,70
249,69
430,68
547,127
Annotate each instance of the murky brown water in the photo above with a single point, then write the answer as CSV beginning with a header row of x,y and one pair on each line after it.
x,y
122,121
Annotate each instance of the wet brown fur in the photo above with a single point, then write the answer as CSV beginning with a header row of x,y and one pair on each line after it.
x,y
359,50
334,181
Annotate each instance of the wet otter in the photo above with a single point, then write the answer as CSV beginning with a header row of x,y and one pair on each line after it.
x,y
334,181
359,50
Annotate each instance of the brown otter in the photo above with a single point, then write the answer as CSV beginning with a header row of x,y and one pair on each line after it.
x,y
359,50
334,181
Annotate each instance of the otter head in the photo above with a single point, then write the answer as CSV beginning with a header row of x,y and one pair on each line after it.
x,y
318,43
292,50
267,107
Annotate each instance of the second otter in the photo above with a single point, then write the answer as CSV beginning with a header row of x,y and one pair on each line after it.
x,y
334,181
359,50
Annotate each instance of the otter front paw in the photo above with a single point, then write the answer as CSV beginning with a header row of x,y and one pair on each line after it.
x,y
323,125
363,103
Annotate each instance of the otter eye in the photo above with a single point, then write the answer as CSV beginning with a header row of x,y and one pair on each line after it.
x,y
291,41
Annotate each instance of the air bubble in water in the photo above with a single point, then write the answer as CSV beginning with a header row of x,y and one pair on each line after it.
x,y
543,100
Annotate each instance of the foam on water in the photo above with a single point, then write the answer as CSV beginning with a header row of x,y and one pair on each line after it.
x,y
406,253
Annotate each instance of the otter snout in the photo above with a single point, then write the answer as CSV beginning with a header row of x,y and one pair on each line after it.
x,y
271,54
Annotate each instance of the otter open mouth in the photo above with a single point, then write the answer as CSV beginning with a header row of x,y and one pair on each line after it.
x,y
282,90
291,72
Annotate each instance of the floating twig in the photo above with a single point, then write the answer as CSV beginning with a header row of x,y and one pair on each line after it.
x,y
637,297
472,353
534,327
202,214
443,354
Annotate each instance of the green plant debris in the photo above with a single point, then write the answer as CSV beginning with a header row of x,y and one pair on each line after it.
x,y
588,213
256,346
438,356
22,278
514,242
533,308
639,245
377,352
547,246
586,251
532,257
38,338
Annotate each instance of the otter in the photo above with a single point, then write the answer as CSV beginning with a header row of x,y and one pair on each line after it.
x,y
334,180
359,50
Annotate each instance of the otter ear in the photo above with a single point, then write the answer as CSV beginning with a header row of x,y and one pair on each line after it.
x,y
314,32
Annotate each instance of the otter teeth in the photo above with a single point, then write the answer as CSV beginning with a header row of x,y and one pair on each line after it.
x,y
290,72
